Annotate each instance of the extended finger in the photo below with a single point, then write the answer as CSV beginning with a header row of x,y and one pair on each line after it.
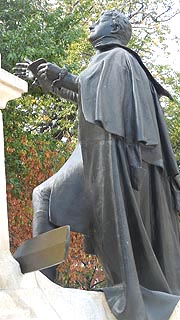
x,y
16,72
22,64
20,75
19,69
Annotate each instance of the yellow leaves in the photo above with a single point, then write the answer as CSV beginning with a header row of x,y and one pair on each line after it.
x,y
45,118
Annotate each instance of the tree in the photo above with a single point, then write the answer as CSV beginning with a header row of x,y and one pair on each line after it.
x,y
41,130
172,109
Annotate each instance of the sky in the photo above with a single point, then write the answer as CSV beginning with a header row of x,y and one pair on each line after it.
x,y
174,58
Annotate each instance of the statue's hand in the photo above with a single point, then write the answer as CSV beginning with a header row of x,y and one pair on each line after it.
x,y
21,70
48,71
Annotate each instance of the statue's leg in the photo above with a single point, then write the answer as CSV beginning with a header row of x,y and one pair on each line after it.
x,y
61,200
40,202
41,223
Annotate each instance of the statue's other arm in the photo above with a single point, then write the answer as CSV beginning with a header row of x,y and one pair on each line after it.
x,y
58,77
62,83
65,94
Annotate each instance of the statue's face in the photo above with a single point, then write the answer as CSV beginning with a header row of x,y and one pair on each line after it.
x,y
101,28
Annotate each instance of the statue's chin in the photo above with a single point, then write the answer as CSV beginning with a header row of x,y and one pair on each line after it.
x,y
91,38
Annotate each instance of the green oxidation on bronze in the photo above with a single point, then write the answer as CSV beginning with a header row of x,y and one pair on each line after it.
x,y
43,251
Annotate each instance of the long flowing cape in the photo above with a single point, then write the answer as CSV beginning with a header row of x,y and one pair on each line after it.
x,y
127,197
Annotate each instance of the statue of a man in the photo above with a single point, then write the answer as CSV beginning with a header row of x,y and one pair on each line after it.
x,y
123,175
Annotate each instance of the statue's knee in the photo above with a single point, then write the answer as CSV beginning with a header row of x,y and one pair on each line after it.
x,y
40,199
36,194
42,192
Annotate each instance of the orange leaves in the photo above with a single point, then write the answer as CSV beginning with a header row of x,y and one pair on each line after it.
x,y
24,139
20,187
9,150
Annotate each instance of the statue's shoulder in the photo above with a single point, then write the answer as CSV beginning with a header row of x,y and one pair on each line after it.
x,y
119,51
120,56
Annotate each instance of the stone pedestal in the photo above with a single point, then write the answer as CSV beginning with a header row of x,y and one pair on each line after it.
x,y
33,296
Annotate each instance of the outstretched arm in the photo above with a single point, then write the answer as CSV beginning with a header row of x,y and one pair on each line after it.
x,y
51,78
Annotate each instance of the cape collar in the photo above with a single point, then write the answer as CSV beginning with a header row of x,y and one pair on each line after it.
x,y
105,42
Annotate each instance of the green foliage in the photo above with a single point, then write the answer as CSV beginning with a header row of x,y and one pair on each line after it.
x,y
172,109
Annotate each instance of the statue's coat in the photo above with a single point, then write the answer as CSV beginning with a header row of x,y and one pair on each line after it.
x,y
127,192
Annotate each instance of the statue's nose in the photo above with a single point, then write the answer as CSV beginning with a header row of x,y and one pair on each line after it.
x,y
91,27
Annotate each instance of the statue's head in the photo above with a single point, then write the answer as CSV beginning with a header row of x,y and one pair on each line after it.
x,y
111,23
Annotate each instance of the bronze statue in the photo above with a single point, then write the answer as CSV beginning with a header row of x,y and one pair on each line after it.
x,y
122,179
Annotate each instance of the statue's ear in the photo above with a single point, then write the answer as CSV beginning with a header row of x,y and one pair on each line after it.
x,y
115,28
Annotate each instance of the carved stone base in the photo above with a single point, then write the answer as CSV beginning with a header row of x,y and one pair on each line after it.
x,y
34,297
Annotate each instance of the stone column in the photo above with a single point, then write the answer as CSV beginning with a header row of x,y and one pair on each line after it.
x,y
11,87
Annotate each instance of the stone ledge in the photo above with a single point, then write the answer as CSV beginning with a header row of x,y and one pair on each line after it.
x,y
34,297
